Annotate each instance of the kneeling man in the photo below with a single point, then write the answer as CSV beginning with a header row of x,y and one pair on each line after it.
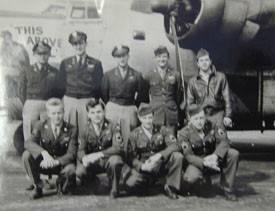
x,y
100,148
207,151
153,154
51,149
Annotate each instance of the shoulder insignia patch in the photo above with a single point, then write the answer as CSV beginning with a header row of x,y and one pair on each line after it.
x,y
221,132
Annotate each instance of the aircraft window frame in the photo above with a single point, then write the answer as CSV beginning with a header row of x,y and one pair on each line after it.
x,y
92,13
78,8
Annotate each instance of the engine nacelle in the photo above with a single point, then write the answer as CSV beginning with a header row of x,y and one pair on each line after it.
x,y
200,23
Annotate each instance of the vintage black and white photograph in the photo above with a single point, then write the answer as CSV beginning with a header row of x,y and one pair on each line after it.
x,y
137,105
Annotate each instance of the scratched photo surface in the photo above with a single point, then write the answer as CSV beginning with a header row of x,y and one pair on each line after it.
x,y
239,36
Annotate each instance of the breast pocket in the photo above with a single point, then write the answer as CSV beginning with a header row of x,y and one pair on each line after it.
x,y
197,148
142,147
34,79
65,142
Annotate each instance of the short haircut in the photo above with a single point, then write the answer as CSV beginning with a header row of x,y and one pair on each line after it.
x,y
93,103
202,52
160,50
54,102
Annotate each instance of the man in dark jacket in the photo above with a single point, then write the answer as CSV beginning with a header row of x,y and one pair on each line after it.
x,y
165,90
51,149
39,82
152,154
100,148
80,78
206,149
210,90
122,90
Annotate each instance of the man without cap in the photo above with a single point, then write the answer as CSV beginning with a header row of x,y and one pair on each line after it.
x,y
81,77
13,60
39,82
51,149
165,90
153,154
122,90
210,90
100,148
207,151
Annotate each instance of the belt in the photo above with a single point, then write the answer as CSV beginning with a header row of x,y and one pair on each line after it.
x,y
211,110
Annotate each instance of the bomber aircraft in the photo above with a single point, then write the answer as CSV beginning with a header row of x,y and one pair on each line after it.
x,y
238,35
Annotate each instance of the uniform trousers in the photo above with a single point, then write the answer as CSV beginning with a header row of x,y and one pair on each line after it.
x,y
127,113
75,112
227,175
33,110
112,166
170,169
32,166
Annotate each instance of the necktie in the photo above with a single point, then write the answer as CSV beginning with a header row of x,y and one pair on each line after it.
x,y
162,74
56,132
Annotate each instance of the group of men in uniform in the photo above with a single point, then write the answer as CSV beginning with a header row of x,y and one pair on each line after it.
x,y
81,134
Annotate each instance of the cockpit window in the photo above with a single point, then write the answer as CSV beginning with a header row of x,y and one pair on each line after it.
x,y
78,13
92,12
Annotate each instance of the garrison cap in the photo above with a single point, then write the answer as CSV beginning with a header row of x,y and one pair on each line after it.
x,y
77,37
41,48
194,109
52,102
144,109
202,52
160,50
120,50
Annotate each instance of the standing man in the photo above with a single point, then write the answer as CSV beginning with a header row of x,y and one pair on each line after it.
x,y
39,82
100,148
81,76
122,89
13,60
51,150
165,90
207,151
153,154
210,90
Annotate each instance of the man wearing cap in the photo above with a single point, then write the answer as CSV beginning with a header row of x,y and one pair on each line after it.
x,y
100,148
207,151
153,154
210,90
122,90
81,77
165,90
39,82
51,149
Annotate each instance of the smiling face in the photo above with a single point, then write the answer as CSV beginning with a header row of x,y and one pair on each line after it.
x,y
42,58
162,60
146,121
80,48
198,120
204,63
56,114
96,114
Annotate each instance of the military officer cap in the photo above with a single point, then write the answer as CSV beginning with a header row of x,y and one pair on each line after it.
x,y
160,50
41,48
77,37
144,109
194,109
202,52
120,50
